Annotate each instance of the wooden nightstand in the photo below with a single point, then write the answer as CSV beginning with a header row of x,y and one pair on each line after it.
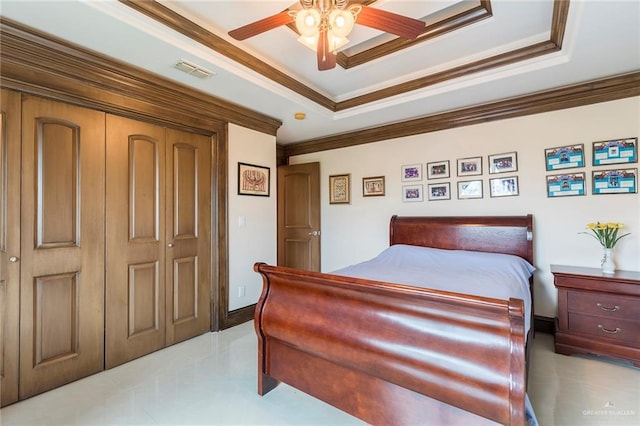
x,y
597,313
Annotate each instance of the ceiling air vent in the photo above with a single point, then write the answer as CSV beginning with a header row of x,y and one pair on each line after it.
x,y
193,69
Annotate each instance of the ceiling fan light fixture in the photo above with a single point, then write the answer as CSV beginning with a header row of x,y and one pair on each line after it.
x,y
308,21
335,43
309,41
323,25
341,22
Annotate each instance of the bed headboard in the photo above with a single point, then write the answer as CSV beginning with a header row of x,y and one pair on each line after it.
x,y
495,234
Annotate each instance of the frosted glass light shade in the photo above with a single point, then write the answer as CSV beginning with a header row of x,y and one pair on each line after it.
x,y
307,22
334,42
341,22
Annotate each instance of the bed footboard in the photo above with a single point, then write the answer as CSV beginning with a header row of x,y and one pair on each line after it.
x,y
391,354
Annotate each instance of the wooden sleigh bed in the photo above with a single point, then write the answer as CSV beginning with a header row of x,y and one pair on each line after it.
x,y
394,354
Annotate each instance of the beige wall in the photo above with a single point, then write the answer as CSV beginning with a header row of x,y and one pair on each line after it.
x,y
355,232
256,239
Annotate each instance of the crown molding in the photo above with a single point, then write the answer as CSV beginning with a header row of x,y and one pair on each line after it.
x,y
199,34
470,15
591,92
42,65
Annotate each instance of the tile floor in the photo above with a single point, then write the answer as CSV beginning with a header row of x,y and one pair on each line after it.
x,y
211,380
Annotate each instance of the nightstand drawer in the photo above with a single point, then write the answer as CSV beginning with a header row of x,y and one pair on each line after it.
x,y
610,328
603,304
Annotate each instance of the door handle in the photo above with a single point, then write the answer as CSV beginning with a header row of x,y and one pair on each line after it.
x,y
170,245
314,233
13,259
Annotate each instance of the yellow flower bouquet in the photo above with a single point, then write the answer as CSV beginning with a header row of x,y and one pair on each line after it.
x,y
606,233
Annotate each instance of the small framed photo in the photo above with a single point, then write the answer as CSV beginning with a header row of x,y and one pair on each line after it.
x,y
471,166
469,189
411,172
622,181
504,187
373,186
439,191
566,185
564,157
339,189
438,170
615,151
503,163
412,193
253,180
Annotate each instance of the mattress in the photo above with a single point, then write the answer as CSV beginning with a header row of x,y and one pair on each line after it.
x,y
494,275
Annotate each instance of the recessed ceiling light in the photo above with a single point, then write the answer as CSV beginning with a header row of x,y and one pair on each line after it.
x,y
193,69
299,115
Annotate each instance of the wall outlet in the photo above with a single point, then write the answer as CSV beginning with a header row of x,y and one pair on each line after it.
x,y
241,291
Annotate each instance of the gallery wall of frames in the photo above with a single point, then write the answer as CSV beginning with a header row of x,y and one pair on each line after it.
x,y
432,181
611,173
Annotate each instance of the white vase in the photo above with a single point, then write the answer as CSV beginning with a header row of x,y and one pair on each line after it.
x,y
608,266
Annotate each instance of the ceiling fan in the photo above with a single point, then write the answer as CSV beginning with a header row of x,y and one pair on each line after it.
x,y
323,25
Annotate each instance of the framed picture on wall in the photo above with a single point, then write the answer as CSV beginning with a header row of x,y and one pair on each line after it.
x,y
620,181
564,157
504,187
471,166
253,180
439,191
565,185
470,189
615,151
503,163
373,186
339,189
411,172
437,170
412,193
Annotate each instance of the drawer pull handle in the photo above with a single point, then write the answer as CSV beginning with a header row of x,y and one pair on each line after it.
x,y
616,331
604,308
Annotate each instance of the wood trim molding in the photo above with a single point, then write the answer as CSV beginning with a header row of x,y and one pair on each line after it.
x,y
177,22
486,64
240,316
544,324
470,15
608,89
200,35
220,236
559,21
40,64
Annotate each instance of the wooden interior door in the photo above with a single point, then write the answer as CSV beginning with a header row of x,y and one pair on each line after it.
x,y
188,235
62,243
299,216
9,245
135,273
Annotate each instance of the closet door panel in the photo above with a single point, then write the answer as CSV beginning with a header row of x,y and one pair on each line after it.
x,y
62,275
10,113
188,232
58,183
135,239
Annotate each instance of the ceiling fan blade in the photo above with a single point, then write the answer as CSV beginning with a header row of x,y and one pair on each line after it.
x,y
326,58
258,27
389,22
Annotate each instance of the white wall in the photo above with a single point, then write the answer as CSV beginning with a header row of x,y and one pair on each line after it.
x,y
355,232
256,240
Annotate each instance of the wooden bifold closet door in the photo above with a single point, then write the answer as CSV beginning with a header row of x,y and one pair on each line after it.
x,y
62,244
158,238
9,245
105,241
